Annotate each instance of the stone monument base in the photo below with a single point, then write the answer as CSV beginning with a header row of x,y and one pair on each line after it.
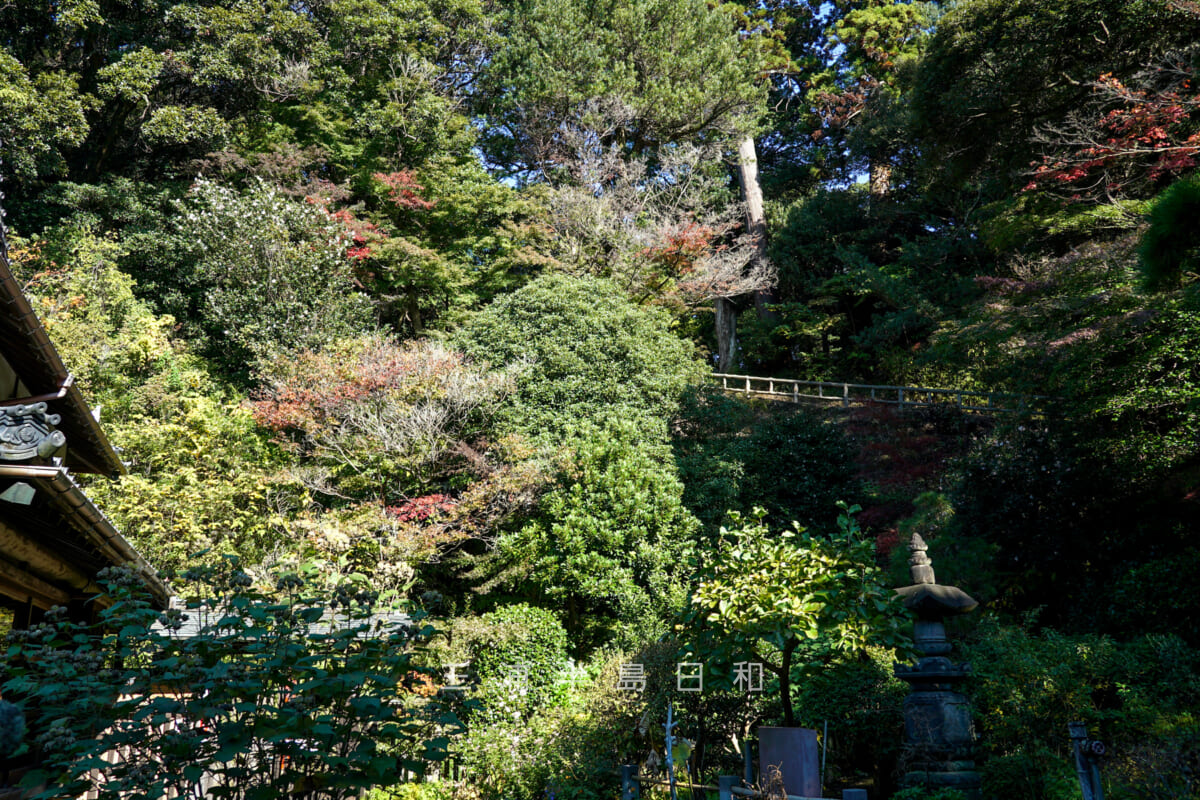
x,y
958,775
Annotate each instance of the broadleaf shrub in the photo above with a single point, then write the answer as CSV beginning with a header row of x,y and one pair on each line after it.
x,y
245,694
526,639
275,272
607,541
1137,696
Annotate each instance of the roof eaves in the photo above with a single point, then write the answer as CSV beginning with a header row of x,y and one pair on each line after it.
x,y
90,521
88,447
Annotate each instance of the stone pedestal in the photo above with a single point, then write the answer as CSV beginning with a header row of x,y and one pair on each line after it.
x,y
939,736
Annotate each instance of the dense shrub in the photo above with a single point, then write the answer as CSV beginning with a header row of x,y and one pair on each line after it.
x,y
922,793
524,637
590,354
1170,247
1063,517
566,749
798,466
275,274
1013,488
1140,697
734,455
1139,603
297,690
12,728
606,544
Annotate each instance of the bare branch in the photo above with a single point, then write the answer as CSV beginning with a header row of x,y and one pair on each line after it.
x,y
1128,137
649,223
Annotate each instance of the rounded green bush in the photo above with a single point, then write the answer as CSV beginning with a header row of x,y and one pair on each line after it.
x,y
582,351
606,544
521,636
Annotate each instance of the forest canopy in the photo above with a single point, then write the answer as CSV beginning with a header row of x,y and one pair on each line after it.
x,y
420,297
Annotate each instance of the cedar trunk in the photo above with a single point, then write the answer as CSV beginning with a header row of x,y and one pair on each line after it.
x,y
756,218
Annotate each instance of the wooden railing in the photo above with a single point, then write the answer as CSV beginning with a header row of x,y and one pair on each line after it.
x,y
791,390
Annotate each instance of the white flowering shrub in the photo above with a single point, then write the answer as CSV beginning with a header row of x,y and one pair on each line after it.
x,y
276,273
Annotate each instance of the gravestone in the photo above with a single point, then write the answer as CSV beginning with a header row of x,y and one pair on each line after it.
x,y
794,752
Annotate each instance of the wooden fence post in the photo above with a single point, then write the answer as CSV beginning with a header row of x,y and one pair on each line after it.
x,y
845,395
900,389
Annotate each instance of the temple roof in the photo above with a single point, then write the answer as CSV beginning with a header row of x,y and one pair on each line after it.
x,y
41,376
53,540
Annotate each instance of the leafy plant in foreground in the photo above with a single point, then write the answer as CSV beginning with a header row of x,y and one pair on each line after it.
x,y
244,696
792,601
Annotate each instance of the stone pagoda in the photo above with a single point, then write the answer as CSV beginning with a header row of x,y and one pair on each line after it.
x,y
938,734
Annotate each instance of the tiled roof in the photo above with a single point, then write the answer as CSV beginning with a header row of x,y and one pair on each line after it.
x,y
29,351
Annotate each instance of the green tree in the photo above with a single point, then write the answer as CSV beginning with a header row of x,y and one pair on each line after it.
x,y
792,601
201,473
328,91
860,97
435,244
996,71
607,542
275,271
644,73
40,116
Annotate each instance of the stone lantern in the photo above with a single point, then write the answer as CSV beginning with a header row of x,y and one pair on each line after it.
x,y
938,734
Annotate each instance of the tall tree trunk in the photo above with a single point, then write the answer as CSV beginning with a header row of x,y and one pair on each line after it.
x,y
413,311
879,177
785,682
725,308
756,218
726,325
